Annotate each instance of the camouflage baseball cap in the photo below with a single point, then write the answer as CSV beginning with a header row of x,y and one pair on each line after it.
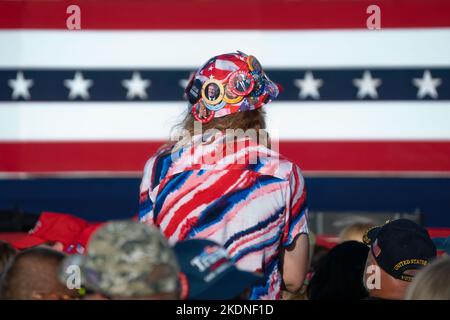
x,y
127,259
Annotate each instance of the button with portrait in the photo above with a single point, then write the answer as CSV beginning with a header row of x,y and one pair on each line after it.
x,y
230,97
241,83
212,92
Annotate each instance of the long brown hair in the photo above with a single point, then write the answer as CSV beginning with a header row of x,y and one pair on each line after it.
x,y
252,119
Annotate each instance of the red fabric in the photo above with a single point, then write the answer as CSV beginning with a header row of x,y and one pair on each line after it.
x,y
73,232
388,157
11,236
84,237
324,241
52,226
231,14
439,232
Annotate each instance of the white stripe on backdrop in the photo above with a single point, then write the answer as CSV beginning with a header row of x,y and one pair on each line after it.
x,y
115,121
189,49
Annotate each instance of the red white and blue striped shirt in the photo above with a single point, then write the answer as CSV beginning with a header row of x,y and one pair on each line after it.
x,y
252,201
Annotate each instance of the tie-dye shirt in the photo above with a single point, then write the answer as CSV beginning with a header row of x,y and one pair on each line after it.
x,y
253,204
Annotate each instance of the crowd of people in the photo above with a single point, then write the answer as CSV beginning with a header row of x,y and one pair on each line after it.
x,y
222,215
131,260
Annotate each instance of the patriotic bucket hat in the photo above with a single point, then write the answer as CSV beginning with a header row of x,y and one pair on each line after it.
x,y
229,83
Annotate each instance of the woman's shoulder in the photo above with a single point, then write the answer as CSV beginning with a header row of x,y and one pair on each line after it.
x,y
164,150
152,164
275,164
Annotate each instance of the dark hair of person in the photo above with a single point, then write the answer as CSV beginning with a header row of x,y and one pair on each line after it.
x,y
30,272
7,252
339,275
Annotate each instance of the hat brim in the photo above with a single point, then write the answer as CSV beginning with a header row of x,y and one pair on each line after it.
x,y
28,241
371,235
229,286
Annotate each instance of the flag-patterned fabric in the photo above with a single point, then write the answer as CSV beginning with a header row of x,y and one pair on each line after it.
x,y
363,111
226,73
104,95
251,200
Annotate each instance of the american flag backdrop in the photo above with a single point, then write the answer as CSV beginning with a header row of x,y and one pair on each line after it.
x,y
373,105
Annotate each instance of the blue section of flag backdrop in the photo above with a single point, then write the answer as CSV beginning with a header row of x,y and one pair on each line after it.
x,y
102,199
397,84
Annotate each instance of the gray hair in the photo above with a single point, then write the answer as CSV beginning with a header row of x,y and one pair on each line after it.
x,y
432,282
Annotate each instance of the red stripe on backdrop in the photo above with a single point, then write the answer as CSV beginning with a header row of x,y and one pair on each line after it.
x,y
311,156
220,14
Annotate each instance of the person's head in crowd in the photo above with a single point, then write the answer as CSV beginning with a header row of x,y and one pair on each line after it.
x,y
319,253
355,231
7,252
339,274
398,250
442,245
57,230
127,260
241,90
33,275
207,273
432,282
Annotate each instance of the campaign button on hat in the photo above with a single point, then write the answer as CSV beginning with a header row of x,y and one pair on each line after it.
x,y
241,83
260,85
216,107
212,92
230,97
253,64
201,113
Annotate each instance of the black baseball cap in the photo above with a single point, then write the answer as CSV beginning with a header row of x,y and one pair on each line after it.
x,y
400,247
